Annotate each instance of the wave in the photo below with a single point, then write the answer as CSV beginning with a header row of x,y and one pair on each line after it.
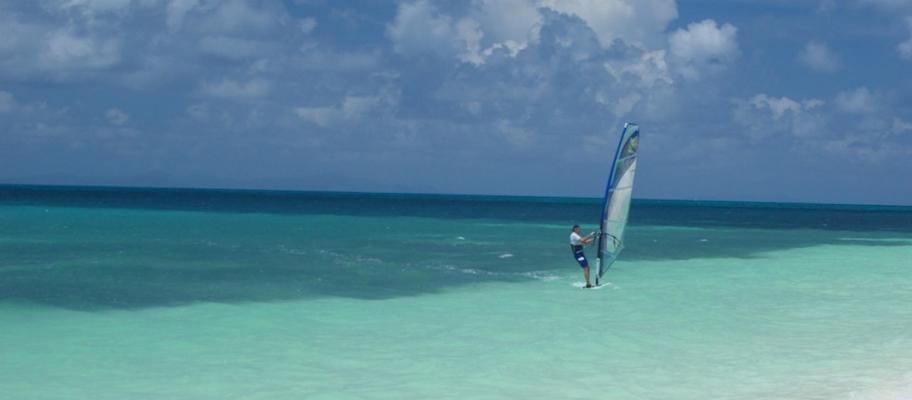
x,y
543,276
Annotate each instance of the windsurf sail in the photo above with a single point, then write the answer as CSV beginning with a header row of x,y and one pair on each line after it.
x,y
616,204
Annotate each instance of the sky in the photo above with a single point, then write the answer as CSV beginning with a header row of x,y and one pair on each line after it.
x,y
775,100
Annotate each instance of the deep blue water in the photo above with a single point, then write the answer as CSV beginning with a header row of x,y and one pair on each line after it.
x,y
519,208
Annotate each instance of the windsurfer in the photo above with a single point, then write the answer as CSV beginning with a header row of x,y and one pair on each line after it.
x,y
576,246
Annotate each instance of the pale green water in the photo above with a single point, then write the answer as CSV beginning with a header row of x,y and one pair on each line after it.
x,y
106,303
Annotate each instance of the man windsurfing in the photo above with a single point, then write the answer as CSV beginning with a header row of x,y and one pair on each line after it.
x,y
576,246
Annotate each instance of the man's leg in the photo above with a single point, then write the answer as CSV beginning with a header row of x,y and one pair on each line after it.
x,y
586,275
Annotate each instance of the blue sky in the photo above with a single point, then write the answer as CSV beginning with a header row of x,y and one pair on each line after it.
x,y
807,101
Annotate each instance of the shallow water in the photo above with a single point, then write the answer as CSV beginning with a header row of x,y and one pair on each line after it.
x,y
111,294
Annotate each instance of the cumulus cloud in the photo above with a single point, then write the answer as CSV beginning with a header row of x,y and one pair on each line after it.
x,y
35,47
234,48
7,102
237,90
91,5
91,11
352,109
198,111
176,10
649,69
704,46
858,101
469,35
308,25
419,27
864,145
636,22
508,21
66,49
901,127
889,5
329,59
819,57
765,116
240,17
854,123
905,48
31,122
902,9
512,25
515,135
778,106
116,116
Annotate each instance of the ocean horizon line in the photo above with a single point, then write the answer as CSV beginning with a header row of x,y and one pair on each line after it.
x,y
464,196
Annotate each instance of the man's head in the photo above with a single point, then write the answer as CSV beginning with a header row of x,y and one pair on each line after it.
x,y
576,228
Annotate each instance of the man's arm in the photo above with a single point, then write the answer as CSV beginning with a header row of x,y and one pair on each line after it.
x,y
588,238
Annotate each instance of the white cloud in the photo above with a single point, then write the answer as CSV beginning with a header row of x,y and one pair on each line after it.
x,y
308,25
636,22
176,11
705,39
199,111
901,127
515,21
419,28
237,16
33,47
37,121
902,9
650,69
328,59
489,25
321,116
860,146
765,116
116,116
704,46
118,134
826,6
231,89
818,57
778,106
18,36
90,7
7,102
234,48
66,50
905,48
889,5
469,33
855,124
222,16
858,101
625,104
352,109
155,69
515,135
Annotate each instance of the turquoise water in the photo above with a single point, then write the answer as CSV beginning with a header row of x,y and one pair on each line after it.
x,y
181,294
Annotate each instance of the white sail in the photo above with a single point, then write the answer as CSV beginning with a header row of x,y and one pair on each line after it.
x,y
616,205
